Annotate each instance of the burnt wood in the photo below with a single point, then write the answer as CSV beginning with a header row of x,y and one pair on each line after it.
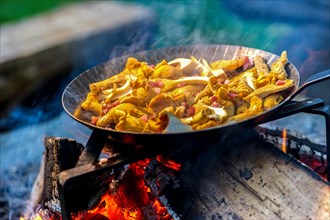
x,y
245,178
81,187
300,147
294,139
299,139
251,180
325,112
60,154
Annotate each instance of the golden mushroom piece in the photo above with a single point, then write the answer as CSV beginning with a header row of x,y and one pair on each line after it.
x,y
199,94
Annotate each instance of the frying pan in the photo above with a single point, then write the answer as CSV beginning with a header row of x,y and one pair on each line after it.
x,y
77,90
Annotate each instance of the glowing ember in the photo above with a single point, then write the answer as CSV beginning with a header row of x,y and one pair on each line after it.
x,y
284,148
43,214
159,208
169,163
131,200
316,163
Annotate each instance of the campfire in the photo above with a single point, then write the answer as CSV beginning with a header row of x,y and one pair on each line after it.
x,y
129,198
123,194
158,187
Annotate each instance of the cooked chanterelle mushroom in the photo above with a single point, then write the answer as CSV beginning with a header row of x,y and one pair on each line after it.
x,y
187,66
199,94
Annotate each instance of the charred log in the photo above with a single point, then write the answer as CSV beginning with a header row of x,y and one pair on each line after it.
x,y
60,154
251,180
274,136
298,146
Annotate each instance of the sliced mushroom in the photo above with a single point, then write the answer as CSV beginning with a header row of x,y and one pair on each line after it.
x,y
218,114
115,93
278,67
269,89
187,66
189,80
248,76
261,66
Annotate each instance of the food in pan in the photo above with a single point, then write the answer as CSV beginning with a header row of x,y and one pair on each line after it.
x,y
200,94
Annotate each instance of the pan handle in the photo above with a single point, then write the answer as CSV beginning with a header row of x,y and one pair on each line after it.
x,y
93,147
294,107
315,78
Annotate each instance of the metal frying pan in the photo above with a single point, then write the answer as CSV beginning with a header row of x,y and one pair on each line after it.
x,y
77,90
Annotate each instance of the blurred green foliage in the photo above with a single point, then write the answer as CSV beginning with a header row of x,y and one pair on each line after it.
x,y
12,10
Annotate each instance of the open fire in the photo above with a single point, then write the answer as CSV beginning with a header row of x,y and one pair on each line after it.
x,y
149,188
284,148
130,198
317,161
311,154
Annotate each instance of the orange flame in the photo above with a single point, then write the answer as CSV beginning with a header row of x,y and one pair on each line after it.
x,y
129,200
169,163
284,147
159,208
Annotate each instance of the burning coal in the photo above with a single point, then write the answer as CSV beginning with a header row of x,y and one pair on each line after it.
x,y
129,198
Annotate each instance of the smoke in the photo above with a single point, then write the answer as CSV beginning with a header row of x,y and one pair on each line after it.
x,y
295,26
207,22
299,27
